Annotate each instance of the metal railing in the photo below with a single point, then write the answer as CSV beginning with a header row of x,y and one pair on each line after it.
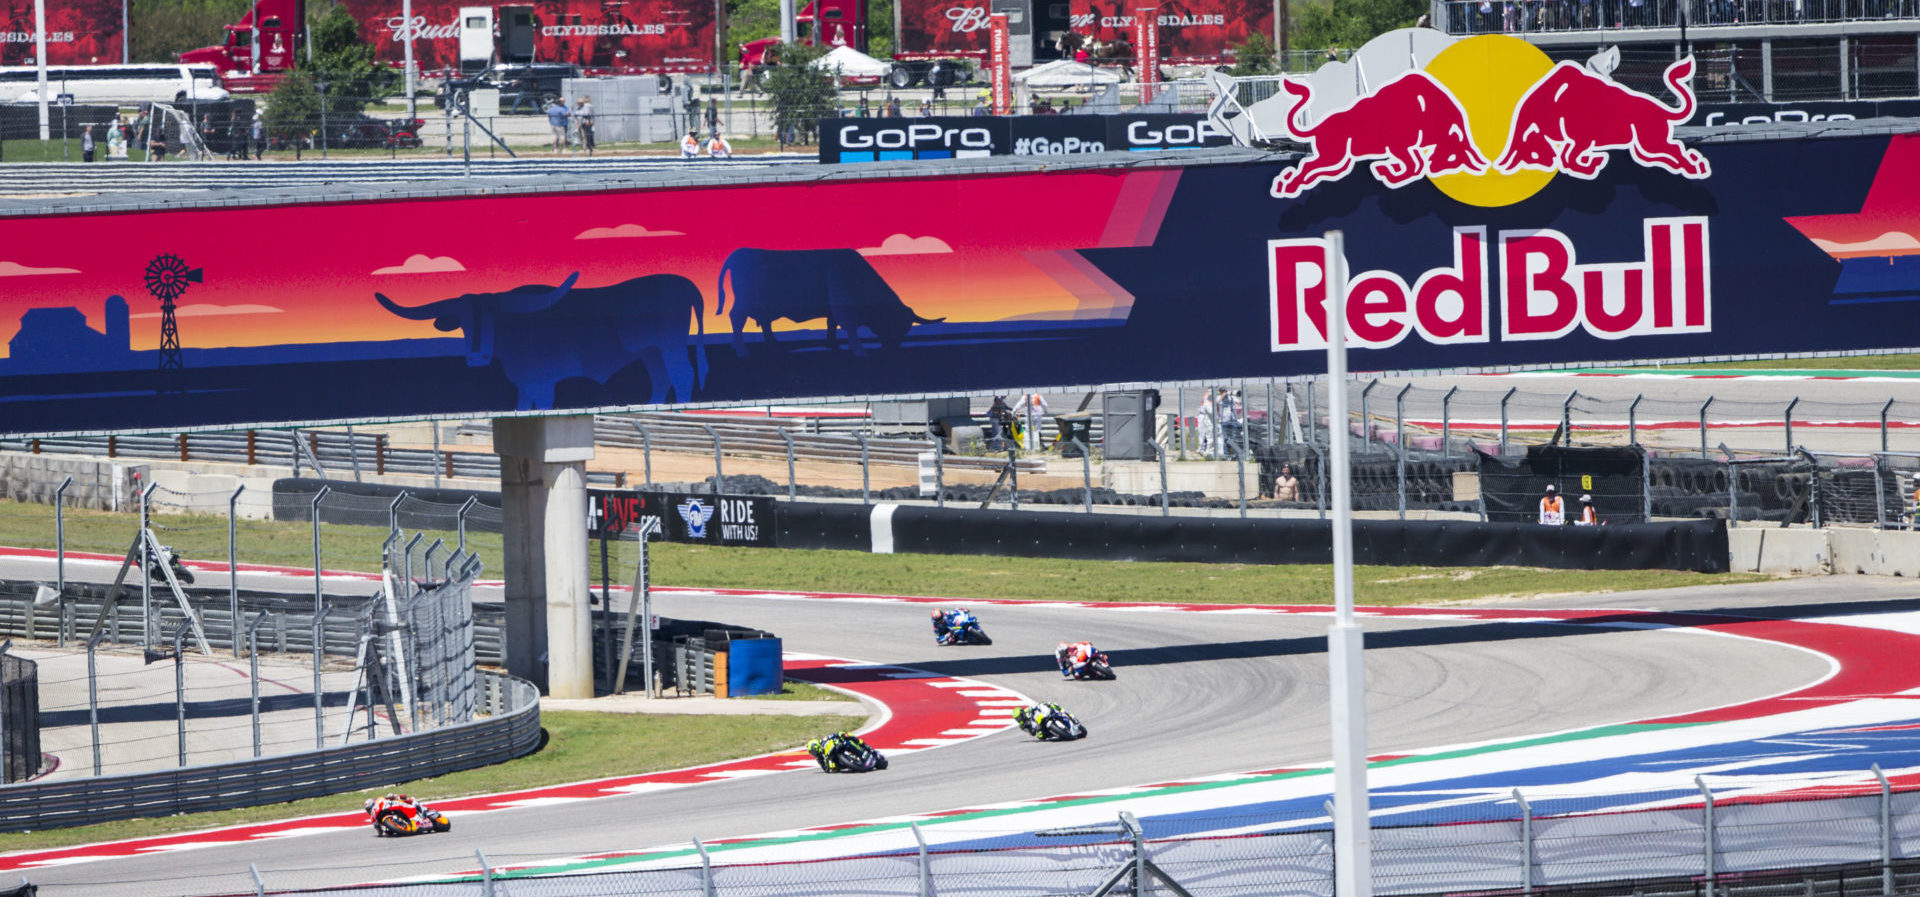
x,y
511,729
1510,844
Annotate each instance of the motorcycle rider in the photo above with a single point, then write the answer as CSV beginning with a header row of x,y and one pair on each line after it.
x,y
1033,720
825,750
941,630
390,801
1073,658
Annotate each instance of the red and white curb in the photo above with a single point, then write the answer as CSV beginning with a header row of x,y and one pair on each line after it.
x,y
919,711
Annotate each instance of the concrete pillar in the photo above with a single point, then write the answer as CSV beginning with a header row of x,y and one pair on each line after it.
x,y
543,492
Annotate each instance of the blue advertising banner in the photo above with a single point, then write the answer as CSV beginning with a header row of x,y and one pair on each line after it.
x,y
1585,238
847,140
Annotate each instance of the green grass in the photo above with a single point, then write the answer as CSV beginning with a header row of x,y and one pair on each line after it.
x,y
203,538
580,746
794,690
1047,579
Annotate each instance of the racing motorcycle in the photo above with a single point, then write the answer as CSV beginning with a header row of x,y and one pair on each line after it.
x,y
166,556
1097,668
401,816
841,752
1049,722
963,628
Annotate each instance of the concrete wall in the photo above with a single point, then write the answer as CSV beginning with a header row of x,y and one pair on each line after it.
x,y
97,484
1213,478
1765,549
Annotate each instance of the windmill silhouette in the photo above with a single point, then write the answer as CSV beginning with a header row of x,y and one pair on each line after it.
x,y
167,278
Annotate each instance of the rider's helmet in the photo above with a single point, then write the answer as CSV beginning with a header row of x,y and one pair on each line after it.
x,y
937,613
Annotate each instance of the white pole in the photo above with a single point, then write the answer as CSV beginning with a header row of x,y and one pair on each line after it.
x,y
1352,836
786,21
40,61
406,15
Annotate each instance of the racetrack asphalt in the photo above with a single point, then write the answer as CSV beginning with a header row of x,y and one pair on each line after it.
x,y
1199,693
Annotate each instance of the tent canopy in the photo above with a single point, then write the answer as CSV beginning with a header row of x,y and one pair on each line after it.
x,y
1064,74
851,63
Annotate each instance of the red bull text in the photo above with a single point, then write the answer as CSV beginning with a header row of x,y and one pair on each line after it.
x,y
1545,292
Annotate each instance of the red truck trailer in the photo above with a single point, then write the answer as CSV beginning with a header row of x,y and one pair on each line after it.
x,y
937,41
79,32
600,36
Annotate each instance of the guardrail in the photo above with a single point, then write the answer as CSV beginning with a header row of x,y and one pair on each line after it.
x,y
328,454
512,730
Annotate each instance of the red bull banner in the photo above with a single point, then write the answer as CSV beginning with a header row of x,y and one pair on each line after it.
x,y
1146,50
1191,32
931,28
599,35
1535,216
1000,64
79,32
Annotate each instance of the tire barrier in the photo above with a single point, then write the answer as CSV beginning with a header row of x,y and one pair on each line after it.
x,y
1698,545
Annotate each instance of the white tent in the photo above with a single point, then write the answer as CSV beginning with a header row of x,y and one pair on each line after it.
x,y
1065,74
851,64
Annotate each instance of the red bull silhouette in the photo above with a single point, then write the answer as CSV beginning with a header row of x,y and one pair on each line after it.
x,y
1412,126
1567,121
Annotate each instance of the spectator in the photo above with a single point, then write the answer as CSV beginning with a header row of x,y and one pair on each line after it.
x,y
557,116
86,144
1000,424
926,108
583,116
1034,406
863,111
1286,487
893,108
1231,425
1206,423
690,144
718,147
258,136
117,141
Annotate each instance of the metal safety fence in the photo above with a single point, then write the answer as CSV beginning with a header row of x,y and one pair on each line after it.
x,y
1711,838
19,718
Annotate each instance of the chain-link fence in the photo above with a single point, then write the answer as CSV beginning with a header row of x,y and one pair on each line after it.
x,y
19,718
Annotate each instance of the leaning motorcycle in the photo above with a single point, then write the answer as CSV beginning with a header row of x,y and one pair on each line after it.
x,y
402,819
165,556
963,628
1098,668
1052,723
847,755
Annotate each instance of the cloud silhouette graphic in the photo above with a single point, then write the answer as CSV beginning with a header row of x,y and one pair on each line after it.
x,y
424,264
1890,243
209,311
15,269
623,231
901,244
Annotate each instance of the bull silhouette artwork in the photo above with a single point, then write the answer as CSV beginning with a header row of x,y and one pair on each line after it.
x,y
804,284
542,335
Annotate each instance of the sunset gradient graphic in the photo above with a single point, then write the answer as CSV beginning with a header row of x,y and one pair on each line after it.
x,y
286,275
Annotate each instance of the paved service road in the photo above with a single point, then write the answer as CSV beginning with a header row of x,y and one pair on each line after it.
x,y
1198,694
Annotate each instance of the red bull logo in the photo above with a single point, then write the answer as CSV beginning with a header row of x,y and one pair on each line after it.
x,y
1545,291
1496,98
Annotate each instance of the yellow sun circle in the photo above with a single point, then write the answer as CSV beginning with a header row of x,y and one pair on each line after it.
x,y
1488,74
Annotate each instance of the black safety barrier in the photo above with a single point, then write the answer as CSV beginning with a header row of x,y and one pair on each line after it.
x,y
1697,545
1614,477
823,525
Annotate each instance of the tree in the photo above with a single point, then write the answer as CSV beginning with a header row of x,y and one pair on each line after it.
x,y
163,29
345,62
1255,57
293,109
802,93
1350,23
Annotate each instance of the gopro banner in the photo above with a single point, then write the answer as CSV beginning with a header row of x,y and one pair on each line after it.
x,y
899,139
701,518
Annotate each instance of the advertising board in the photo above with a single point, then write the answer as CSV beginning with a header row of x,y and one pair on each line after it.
x,y
702,518
79,32
654,35
1197,32
1592,236
848,140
